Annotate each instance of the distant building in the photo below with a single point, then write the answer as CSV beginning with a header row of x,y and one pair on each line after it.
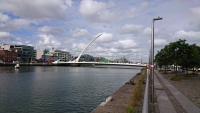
x,y
8,56
24,52
37,55
96,59
100,59
86,58
58,54
122,60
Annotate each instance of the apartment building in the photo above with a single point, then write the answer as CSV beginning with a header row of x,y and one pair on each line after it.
x,y
24,52
8,56
62,55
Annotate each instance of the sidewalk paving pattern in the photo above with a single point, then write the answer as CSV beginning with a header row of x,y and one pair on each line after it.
x,y
165,106
163,99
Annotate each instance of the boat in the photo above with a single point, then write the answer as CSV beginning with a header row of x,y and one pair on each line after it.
x,y
16,66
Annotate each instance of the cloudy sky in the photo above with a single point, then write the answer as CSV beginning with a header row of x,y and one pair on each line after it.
x,y
125,25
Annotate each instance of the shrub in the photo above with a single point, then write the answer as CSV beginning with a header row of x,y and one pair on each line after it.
x,y
164,73
175,78
135,97
130,110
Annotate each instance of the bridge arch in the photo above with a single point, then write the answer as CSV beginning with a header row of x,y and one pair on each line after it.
x,y
77,59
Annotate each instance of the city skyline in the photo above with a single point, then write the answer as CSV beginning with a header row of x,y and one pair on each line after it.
x,y
69,25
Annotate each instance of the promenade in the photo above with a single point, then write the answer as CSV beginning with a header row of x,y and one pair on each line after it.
x,y
177,96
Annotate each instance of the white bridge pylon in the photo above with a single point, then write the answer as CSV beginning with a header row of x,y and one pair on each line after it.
x,y
77,59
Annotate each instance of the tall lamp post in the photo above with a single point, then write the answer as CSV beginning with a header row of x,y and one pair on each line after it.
x,y
152,56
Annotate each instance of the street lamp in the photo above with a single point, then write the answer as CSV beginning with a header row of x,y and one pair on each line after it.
x,y
152,56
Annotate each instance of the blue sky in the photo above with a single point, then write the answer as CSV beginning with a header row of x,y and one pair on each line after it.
x,y
125,25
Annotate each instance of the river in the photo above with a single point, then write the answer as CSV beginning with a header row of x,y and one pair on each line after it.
x,y
57,89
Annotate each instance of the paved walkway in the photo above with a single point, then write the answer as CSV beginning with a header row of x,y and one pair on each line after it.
x,y
164,103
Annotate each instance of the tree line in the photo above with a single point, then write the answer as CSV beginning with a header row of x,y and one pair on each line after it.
x,y
179,53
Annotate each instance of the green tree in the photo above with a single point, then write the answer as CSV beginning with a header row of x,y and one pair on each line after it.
x,y
179,53
163,58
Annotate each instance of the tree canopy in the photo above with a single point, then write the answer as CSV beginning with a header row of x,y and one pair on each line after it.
x,y
179,53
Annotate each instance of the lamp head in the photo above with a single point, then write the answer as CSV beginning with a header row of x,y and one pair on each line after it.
x,y
157,19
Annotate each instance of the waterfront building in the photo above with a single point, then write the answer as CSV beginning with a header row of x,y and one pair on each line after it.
x,y
37,54
61,55
86,58
122,60
8,56
24,52
96,59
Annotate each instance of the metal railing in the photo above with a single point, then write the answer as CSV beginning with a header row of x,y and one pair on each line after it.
x,y
145,108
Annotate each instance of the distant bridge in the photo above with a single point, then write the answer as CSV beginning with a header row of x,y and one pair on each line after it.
x,y
100,64
96,64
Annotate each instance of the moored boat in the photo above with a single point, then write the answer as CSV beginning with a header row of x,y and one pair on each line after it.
x,y
16,66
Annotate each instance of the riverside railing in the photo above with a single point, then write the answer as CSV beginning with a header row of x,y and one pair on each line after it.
x,y
145,108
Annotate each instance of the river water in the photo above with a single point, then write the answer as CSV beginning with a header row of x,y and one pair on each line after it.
x,y
52,89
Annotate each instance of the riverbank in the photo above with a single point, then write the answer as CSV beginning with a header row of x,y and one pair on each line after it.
x,y
119,100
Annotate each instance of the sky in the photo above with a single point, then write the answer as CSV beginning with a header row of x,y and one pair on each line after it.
x,y
125,25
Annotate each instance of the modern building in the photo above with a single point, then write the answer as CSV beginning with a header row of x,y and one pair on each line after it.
x,y
100,59
86,58
122,60
8,56
24,52
51,55
37,54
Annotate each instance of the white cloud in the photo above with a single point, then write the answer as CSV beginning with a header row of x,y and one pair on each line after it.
x,y
79,32
36,9
47,41
190,35
114,50
51,30
134,11
68,2
4,35
27,42
105,38
4,17
147,31
130,29
196,12
106,12
90,7
99,50
159,42
78,47
69,40
15,24
96,11
125,44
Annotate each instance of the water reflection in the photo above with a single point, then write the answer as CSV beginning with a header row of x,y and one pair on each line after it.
x,y
50,89
24,69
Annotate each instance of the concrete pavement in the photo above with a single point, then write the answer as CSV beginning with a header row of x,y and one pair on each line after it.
x,y
165,106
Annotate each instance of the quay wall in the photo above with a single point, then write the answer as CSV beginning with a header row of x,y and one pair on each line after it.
x,y
119,100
